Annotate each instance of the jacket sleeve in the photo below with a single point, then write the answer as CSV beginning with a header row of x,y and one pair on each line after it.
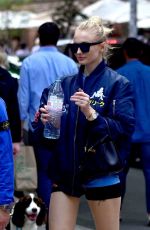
x,y
6,162
120,117
37,124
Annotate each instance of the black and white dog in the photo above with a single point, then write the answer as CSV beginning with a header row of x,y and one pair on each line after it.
x,y
29,213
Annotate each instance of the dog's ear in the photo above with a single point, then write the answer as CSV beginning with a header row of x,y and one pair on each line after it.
x,y
41,218
18,216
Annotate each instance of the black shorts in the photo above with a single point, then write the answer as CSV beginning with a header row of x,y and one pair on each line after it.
x,y
97,193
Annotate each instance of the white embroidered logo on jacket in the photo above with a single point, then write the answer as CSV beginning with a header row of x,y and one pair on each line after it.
x,y
99,94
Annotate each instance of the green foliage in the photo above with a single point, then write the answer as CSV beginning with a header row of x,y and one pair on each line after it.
x,y
65,14
9,4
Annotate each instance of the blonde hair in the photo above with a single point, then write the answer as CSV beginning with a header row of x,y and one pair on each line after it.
x,y
95,24
4,60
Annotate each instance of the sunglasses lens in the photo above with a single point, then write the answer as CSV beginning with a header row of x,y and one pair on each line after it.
x,y
74,47
84,47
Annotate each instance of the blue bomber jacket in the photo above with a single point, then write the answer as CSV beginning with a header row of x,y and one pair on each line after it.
x,y
112,97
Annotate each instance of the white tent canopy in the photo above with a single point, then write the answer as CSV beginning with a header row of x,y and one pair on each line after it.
x,y
108,10
144,23
22,19
117,11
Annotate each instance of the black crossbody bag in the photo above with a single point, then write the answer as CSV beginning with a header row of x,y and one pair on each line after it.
x,y
100,159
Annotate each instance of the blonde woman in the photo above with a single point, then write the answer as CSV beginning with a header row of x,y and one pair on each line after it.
x,y
95,95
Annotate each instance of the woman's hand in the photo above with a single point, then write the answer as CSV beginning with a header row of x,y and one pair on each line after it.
x,y
16,147
4,219
44,114
50,116
83,101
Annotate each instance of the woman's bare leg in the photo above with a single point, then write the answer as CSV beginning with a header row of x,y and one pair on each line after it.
x,y
106,213
63,211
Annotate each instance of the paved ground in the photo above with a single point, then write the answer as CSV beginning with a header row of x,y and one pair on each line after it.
x,y
134,209
133,212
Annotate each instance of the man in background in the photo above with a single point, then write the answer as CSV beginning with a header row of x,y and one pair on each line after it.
x,y
139,75
38,71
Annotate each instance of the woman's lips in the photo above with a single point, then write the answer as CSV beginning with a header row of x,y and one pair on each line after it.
x,y
80,58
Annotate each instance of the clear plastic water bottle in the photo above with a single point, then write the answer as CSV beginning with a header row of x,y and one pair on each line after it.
x,y
55,106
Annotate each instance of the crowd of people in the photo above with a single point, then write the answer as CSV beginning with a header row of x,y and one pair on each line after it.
x,y
100,104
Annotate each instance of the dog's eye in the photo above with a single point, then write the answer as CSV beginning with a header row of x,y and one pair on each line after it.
x,y
37,200
28,201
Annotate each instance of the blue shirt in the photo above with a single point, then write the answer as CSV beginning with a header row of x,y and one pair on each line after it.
x,y
6,161
139,75
38,71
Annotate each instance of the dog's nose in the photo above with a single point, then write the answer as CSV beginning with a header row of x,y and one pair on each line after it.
x,y
34,210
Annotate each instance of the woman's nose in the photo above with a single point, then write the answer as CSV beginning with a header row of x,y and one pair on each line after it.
x,y
79,51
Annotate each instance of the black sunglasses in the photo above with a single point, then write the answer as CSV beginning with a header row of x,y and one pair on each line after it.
x,y
84,46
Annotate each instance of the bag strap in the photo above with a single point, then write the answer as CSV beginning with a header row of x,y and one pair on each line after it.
x,y
107,127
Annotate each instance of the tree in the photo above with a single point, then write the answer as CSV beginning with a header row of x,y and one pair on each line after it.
x,y
65,15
